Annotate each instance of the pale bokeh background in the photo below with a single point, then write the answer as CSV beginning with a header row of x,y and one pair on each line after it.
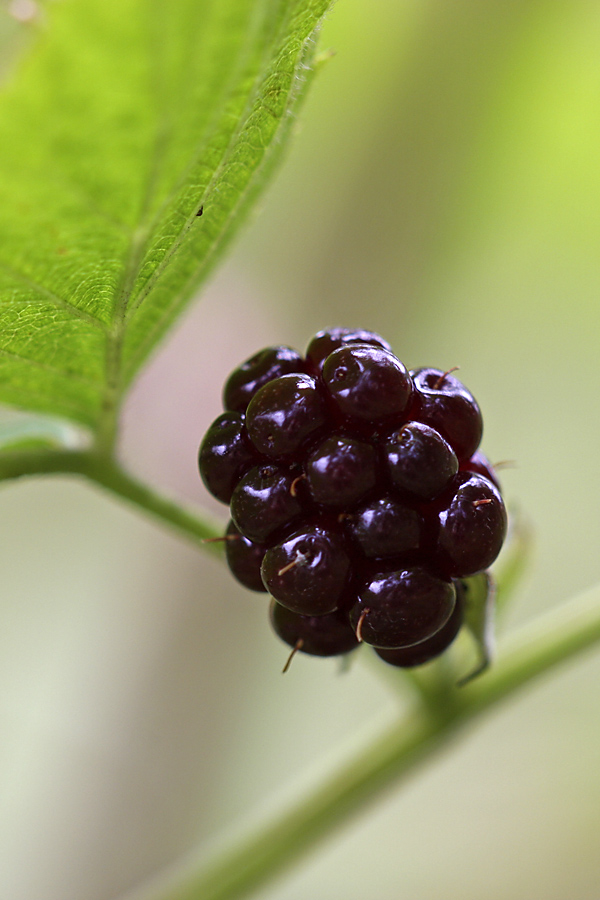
x,y
444,189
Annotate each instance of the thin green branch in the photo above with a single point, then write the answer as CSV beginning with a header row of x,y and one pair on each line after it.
x,y
195,525
531,651
263,854
198,526
548,640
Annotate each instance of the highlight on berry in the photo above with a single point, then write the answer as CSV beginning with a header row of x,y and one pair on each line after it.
x,y
359,497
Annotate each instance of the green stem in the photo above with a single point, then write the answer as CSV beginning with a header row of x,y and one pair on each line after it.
x,y
352,787
194,525
106,472
549,639
531,651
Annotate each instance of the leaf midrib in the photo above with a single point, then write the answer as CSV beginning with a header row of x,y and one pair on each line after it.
x,y
139,242
177,244
122,312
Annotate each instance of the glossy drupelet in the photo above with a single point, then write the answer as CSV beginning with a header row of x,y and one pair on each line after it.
x,y
308,571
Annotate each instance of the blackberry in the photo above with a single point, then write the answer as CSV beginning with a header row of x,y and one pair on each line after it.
x,y
359,497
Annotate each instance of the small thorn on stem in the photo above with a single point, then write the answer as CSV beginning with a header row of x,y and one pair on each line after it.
x,y
297,646
440,380
359,625
224,537
295,483
298,561
477,503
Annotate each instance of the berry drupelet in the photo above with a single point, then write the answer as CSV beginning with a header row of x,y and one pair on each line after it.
x,y
359,497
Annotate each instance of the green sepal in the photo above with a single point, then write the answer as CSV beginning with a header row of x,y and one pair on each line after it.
x,y
480,601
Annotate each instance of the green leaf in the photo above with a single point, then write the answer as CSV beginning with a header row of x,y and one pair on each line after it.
x,y
124,120
19,431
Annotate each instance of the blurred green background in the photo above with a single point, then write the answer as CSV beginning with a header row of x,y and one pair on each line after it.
x,y
443,189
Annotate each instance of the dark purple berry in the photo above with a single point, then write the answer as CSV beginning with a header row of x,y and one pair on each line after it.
x,y
264,366
367,384
480,465
308,571
341,471
386,528
472,525
284,413
443,402
424,651
358,495
325,342
327,635
244,558
401,608
225,454
265,501
419,460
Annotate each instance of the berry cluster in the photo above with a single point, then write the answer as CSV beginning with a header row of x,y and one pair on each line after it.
x,y
359,498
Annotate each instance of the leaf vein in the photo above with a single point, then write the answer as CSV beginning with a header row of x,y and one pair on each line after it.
x,y
50,297
46,367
